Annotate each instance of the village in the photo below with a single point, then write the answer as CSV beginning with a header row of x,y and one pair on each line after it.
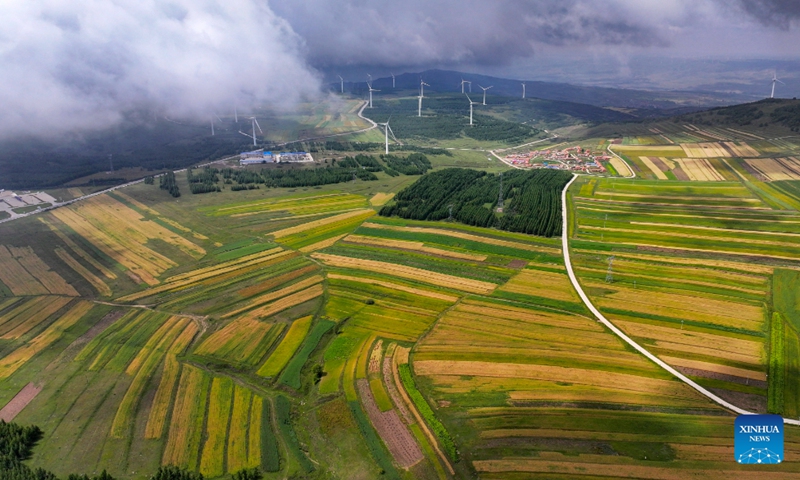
x,y
576,159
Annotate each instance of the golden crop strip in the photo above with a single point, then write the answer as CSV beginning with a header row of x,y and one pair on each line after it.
x,y
417,274
653,168
285,350
541,284
80,251
237,437
219,408
266,298
283,204
185,430
776,169
36,267
41,309
699,169
240,262
90,277
10,363
254,440
323,244
287,302
416,246
165,333
158,412
743,149
466,236
355,215
380,199
395,286
16,278
195,276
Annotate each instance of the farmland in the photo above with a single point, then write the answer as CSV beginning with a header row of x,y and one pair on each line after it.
x,y
353,330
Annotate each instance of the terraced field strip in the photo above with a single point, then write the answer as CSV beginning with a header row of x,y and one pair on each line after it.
x,y
394,286
287,302
286,349
29,315
297,205
98,284
348,217
16,359
531,281
169,376
212,461
414,246
269,297
465,236
704,150
184,280
51,280
19,402
776,169
742,149
417,274
716,368
244,340
16,278
699,169
237,437
186,423
322,244
653,168
380,199
79,250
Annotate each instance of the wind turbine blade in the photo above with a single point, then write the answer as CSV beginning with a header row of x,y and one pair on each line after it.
x,y
246,134
780,82
217,117
470,100
257,125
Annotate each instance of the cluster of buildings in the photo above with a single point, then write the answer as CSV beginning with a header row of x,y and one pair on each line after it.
x,y
573,158
10,200
260,156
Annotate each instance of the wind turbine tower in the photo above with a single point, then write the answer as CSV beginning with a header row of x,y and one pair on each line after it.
x,y
392,74
421,95
774,81
253,136
386,130
462,85
341,82
369,85
523,89
484,92
212,125
235,115
471,103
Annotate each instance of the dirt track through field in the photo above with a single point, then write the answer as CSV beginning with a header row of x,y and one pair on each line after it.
x,y
20,401
393,432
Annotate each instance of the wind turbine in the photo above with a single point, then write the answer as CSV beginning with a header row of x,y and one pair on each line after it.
x,y
484,92
369,85
774,81
392,74
235,115
386,130
341,80
471,103
253,136
212,125
369,79
462,85
523,89
421,95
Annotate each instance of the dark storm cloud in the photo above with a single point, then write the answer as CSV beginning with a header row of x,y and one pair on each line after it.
x,y
781,13
463,31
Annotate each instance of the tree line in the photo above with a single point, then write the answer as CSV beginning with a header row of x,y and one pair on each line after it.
x,y
531,199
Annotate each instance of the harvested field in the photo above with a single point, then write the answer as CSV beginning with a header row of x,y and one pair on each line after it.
x,y
19,402
22,281
79,251
398,439
466,236
98,284
395,286
51,280
287,302
375,358
776,169
704,150
349,217
657,171
716,368
670,151
186,425
742,149
391,388
25,316
439,279
541,283
414,246
322,244
380,199
699,169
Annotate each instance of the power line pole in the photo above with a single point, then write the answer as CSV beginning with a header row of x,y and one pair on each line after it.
x,y
610,272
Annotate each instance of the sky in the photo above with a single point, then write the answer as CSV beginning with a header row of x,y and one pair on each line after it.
x,y
67,66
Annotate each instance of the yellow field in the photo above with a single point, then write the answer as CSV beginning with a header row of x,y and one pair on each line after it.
x,y
158,412
466,236
653,168
219,407
416,246
288,301
24,273
122,234
353,216
742,149
26,316
655,150
239,339
395,286
620,166
704,150
296,206
10,363
80,251
439,279
269,297
541,284
284,351
254,437
380,199
776,169
237,437
98,284
185,430
699,169
323,244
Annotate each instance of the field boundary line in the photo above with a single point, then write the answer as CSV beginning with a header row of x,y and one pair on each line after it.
x,y
602,319
612,152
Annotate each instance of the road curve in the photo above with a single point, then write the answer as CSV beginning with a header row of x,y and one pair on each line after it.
x,y
620,333
612,152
